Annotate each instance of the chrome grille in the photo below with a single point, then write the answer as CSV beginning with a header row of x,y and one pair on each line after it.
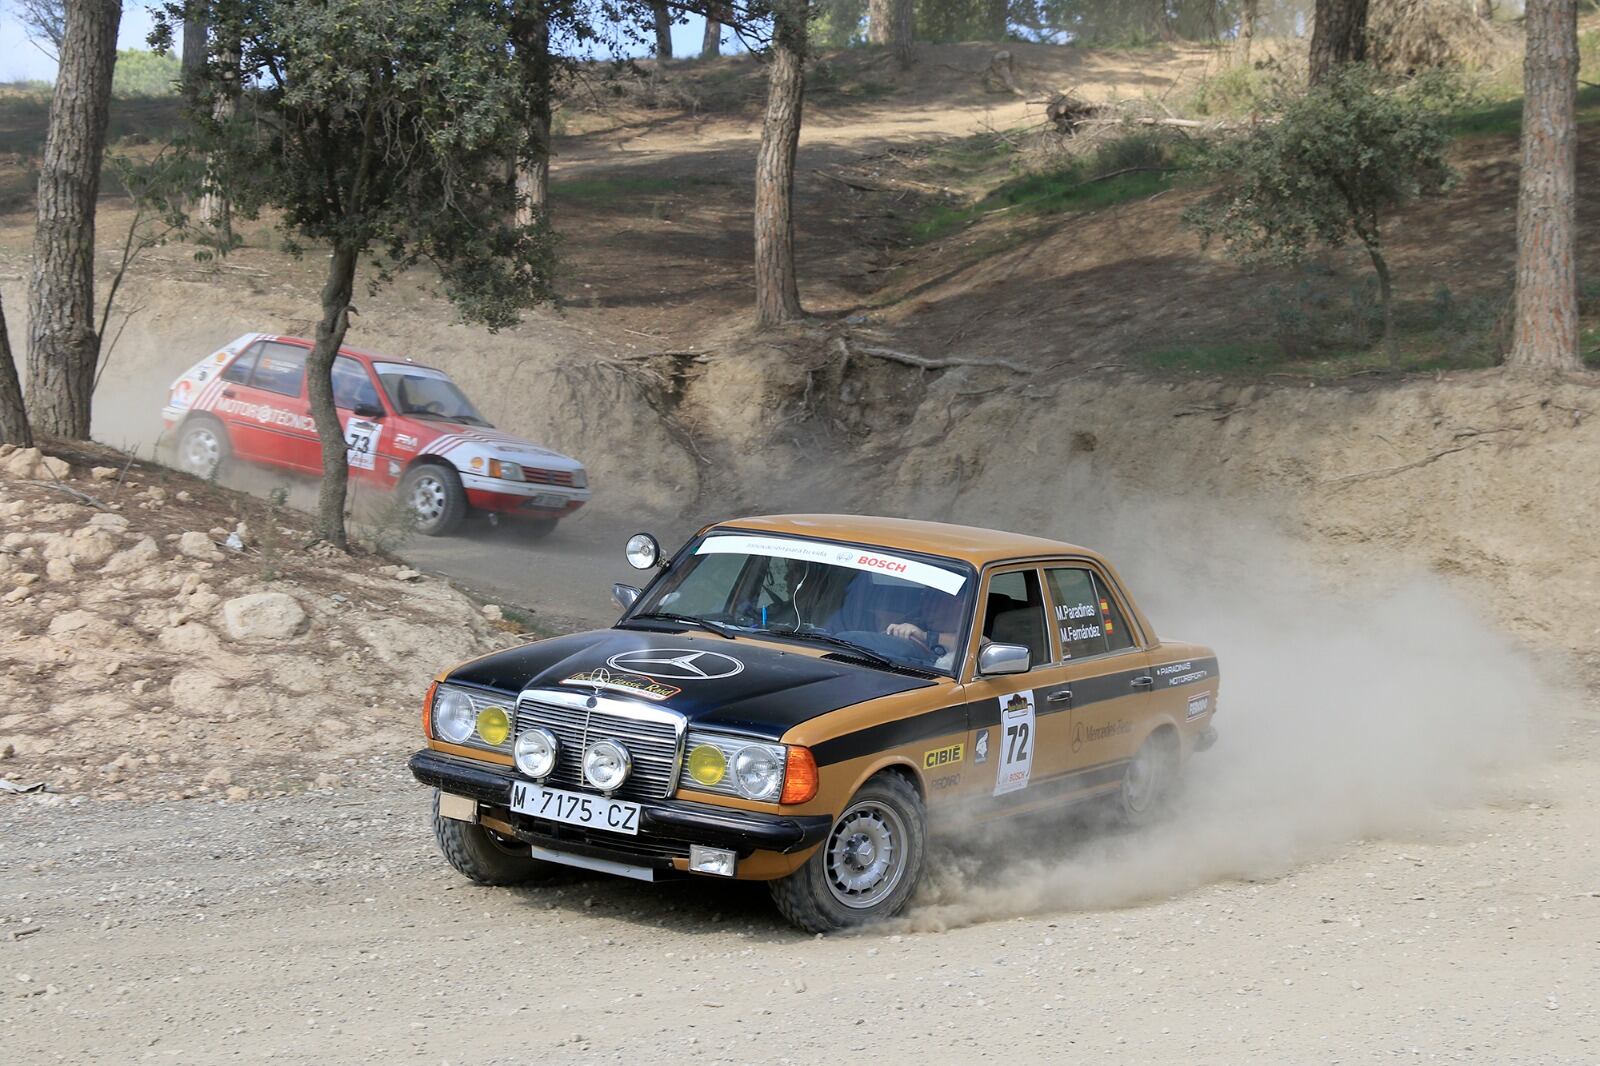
x,y
652,735
547,477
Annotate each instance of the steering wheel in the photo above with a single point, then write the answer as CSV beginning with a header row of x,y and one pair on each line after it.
x,y
432,407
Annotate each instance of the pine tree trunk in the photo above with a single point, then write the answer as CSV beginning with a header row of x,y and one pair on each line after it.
x,y
777,290
63,346
1247,26
1391,340
879,21
711,43
336,293
902,31
213,208
1338,36
14,427
195,31
533,164
663,20
1545,334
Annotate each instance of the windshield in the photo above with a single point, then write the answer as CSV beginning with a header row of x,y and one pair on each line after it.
x,y
908,611
424,393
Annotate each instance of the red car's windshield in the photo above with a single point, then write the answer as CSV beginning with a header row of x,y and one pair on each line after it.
x,y
424,393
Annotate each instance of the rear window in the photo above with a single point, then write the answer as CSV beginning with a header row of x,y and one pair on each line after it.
x,y
280,368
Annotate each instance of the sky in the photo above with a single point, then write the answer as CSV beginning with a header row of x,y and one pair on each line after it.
x,y
21,61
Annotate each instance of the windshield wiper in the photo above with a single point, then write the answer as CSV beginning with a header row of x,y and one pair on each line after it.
x,y
859,650
686,619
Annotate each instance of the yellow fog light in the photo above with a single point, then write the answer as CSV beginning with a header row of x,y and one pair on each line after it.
x,y
494,725
707,764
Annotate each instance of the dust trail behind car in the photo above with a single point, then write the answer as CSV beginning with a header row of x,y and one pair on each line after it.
x,y
1358,701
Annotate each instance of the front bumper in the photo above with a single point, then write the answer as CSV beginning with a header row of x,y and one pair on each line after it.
x,y
663,824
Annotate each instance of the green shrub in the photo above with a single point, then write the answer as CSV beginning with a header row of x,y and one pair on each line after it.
x,y
142,73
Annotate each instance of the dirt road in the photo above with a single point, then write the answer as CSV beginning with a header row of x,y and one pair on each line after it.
x,y
324,928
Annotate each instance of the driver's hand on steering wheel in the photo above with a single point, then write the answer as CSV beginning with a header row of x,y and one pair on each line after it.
x,y
908,631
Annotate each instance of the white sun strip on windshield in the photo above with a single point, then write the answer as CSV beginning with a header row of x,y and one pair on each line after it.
x,y
871,561
412,371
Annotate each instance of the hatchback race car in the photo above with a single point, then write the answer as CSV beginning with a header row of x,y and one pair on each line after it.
x,y
799,699
409,429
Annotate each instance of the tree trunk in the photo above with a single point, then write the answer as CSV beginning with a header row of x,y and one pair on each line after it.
x,y
1485,9
533,163
902,32
995,19
195,30
1338,36
213,209
711,43
336,293
1247,26
63,346
879,21
1391,343
777,290
13,415
663,20
1545,334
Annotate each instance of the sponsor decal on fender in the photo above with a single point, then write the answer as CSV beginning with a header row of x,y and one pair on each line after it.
x,y
943,756
1198,706
632,684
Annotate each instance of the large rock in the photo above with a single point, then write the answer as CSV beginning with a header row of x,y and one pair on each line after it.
x,y
91,547
263,616
137,557
197,545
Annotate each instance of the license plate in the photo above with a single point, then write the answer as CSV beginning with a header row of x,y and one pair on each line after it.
x,y
548,499
575,808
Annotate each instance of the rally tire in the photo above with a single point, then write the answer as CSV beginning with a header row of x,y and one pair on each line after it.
x,y
1151,780
433,493
885,816
480,855
203,448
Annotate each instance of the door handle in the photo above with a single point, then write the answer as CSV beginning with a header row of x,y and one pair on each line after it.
x,y
1144,681
228,393
1060,695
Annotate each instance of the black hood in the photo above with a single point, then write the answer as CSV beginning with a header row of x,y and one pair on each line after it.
x,y
740,686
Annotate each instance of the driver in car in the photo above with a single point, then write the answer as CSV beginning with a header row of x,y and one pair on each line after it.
x,y
933,625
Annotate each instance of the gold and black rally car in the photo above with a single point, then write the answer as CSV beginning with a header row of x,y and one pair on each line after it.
x,y
797,699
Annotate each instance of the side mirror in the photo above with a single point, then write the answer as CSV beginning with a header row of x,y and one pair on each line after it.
x,y
624,596
367,410
1004,659
643,551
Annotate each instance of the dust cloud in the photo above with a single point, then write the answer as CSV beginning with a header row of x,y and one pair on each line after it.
x,y
1353,705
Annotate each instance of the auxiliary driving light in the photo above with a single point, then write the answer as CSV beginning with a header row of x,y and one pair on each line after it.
x,y
707,764
535,752
718,862
494,725
606,765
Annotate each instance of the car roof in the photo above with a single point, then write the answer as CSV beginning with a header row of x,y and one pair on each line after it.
x,y
354,353
967,543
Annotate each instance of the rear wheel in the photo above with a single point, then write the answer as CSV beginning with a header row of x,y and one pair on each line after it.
x,y
433,494
1151,780
203,447
483,855
867,868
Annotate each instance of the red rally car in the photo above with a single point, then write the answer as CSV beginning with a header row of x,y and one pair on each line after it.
x,y
409,428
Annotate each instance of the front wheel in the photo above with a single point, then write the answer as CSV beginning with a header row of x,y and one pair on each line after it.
x,y
433,494
539,528
867,868
483,855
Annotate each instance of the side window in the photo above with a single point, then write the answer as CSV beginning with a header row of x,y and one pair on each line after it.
x,y
1014,613
280,368
238,371
1118,635
1079,618
352,387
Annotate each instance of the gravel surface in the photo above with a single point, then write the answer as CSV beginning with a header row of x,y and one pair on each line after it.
x,y
324,928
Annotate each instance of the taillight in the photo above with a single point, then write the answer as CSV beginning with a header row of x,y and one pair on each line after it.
x,y
799,776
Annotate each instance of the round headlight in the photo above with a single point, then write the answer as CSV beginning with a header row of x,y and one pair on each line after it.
x,y
643,552
758,773
535,752
452,716
707,764
606,765
494,725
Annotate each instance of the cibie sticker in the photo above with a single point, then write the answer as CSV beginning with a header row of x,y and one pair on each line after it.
x,y
872,561
1198,706
1016,742
942,756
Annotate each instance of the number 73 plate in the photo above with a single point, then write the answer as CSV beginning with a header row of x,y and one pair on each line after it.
x,y
575,808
